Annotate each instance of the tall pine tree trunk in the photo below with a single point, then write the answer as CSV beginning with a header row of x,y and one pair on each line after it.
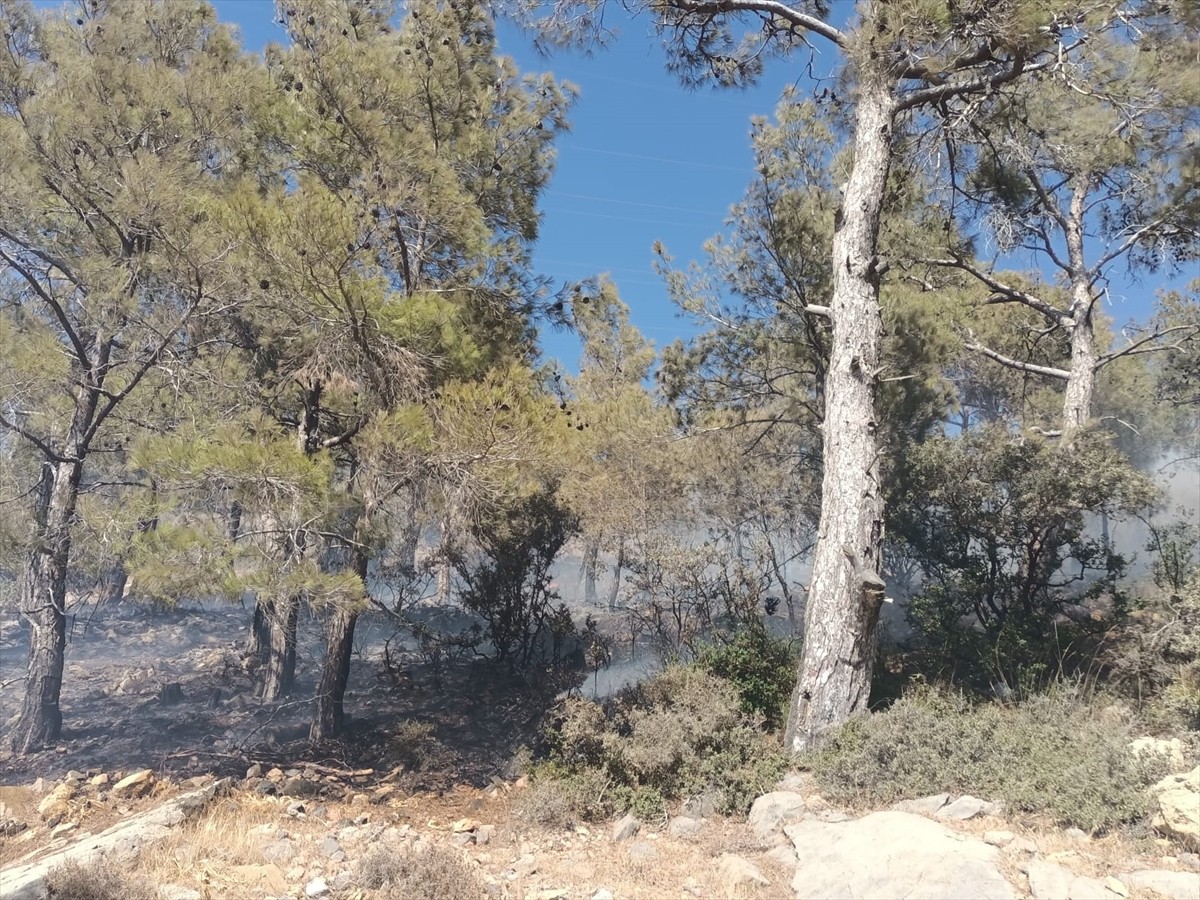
x,y
834,678
43,603
1081,381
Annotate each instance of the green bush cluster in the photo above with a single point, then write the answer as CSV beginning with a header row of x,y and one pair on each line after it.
x,y
682,733
760,666
1049,755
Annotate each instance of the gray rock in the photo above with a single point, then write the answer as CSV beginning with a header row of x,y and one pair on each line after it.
x,y
342,881
627,827
295,786
279,851
784,857
1173,885
119,844
255,771
773,810
178,892
525,866
316,888
1085,888
1191,860
484,833
1077,834
265,788
999,838
893,854
683,827
603,894
702,806
1048,881
329,847
462,838
925,806
962,809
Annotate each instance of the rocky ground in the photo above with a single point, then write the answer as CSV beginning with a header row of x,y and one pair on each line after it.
x,y
309,832
171,771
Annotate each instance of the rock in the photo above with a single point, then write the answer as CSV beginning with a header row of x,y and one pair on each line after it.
x,y
11,827
1048,881
642,852
61,829
380,795
295,809
118,845
603,894
1116,886
1172,885
784,857
525,865
295,786
178,892
266,788
268,878
736,873
998,838
316,888
342,881
1149,747
964,808
255,771
702,806
1085,888
1191,860
626,828
683,827
275,775
484,833
279,851
925,806
1078,835
893,854
329,848
774,810
794,781
462,825
134,785
1023,845
100,780
1178,814
53,809
74,776
462,839
552,894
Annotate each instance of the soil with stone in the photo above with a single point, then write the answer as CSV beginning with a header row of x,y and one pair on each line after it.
x,y
170,690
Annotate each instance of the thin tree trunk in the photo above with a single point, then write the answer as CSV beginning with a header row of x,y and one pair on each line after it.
x,y
329,715
834,678
615,591
591,557
260,631
279,669
43,603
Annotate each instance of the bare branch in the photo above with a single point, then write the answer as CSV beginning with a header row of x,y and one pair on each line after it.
x,y
770,7
1011,363
1008,293
38,442
1147,345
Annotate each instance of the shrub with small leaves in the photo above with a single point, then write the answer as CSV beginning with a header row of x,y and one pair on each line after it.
x,y
681,733
761,666
1050,755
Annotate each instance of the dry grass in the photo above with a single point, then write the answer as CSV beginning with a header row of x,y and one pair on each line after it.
x,y
431,872
99,880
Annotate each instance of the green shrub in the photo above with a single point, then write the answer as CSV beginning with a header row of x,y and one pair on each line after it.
x,y
1049,755
679,734
760,666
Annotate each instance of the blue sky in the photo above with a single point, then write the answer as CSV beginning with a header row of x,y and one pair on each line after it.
x,y
645,160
